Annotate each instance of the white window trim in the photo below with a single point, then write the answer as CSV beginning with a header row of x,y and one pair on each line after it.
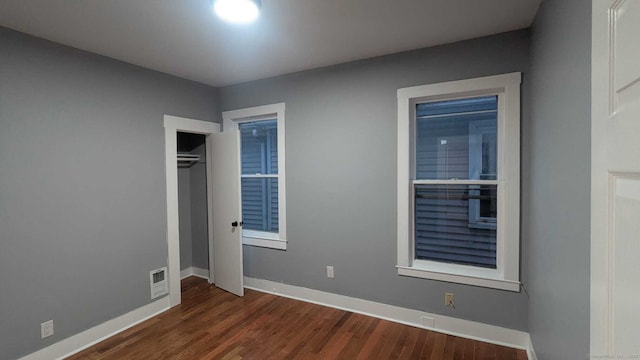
x,y
230,121
507,273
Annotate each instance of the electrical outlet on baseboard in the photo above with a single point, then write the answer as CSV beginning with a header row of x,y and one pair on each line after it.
x,y
428,322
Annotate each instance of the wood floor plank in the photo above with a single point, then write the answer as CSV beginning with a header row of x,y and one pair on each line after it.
x,y
449,348
438,346
375,337
522,355
418,348
213,324
361,332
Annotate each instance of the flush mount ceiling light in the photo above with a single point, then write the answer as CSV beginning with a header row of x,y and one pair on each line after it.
x,y
237,11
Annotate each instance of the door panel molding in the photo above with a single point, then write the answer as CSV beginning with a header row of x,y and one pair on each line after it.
x,y
615,179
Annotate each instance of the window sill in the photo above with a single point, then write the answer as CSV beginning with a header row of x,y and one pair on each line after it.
x,y
467,279
265,243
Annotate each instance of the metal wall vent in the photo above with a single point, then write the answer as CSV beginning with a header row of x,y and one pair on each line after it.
x,y
158,280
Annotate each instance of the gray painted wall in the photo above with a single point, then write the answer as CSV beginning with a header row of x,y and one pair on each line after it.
x,y
557,181
341,175
82,189
199,227
192,208
184,218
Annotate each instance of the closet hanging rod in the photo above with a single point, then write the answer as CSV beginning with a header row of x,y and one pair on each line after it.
x,y
186,160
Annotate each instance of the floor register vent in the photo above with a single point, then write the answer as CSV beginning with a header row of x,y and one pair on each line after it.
x,y
158,280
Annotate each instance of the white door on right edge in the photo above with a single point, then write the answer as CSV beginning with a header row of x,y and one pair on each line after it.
x,y
615,205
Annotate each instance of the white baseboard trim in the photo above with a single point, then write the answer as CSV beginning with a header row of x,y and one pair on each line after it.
x,y
87,338
194,271
440,323
531,353
444,324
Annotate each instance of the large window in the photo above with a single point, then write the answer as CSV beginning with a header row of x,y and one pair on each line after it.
x,y
458,181
261,134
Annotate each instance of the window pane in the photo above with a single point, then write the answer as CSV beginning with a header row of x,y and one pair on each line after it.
x,y
259,143
445,230
489,156
260,204
487,202
456,139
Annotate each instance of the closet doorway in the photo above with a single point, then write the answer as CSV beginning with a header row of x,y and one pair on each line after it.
x,y
223,204
172,126
192,205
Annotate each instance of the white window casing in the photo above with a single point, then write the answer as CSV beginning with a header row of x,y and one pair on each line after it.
x,y
506,274
231,119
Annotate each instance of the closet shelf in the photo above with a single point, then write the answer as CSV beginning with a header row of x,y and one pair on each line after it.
x,y
186,160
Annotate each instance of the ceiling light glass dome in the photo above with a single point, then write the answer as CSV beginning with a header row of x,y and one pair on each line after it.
x,y
237,11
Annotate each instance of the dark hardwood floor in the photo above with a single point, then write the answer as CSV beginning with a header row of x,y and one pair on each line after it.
x,y
213,324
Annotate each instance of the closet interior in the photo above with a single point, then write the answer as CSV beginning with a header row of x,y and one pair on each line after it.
x,y
192,205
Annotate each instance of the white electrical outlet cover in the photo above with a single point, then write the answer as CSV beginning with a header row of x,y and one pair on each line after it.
x,y
428,322
46,329
330,273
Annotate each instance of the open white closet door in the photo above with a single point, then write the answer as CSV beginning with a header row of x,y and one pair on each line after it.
x,y
615,179
227,219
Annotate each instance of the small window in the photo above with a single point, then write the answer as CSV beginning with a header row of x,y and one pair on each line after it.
x,y
262,178
458,181
259,185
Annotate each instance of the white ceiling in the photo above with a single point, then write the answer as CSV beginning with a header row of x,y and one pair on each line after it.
x,y
184,38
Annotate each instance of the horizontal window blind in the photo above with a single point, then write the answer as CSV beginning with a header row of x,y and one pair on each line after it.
x,y
442,231
260,204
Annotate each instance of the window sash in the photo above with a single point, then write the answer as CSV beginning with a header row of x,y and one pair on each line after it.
x,y
413,127
260,176
471,157
260,204
259,146
259,211
458,267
